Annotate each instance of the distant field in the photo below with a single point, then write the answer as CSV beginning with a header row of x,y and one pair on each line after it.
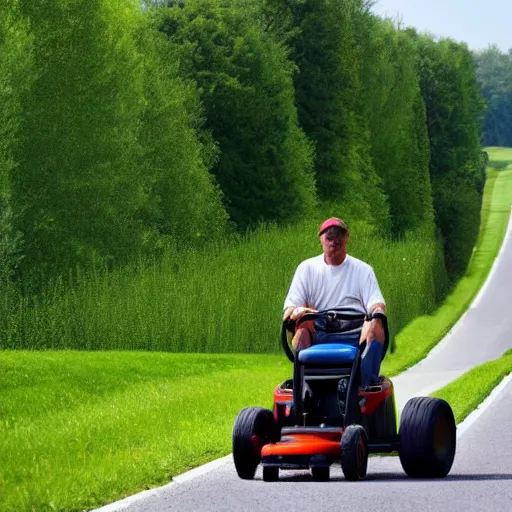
x,y
500,158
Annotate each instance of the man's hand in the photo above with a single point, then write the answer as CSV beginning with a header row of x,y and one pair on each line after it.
x,y
288,313
300,312
293,313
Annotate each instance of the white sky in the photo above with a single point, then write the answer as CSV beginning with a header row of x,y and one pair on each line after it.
x,y
479,23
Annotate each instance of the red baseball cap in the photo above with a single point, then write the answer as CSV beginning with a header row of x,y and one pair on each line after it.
x,y
331,223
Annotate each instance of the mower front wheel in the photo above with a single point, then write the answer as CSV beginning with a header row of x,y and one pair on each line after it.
x,y
354,452
254,427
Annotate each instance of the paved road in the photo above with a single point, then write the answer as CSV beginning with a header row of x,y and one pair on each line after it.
x,y
480,480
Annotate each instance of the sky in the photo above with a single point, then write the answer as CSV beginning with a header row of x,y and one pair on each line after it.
x,y
479,23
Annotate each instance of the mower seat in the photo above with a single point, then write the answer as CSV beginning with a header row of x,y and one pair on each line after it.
x,y
329,353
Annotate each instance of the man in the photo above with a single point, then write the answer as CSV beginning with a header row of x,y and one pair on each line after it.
x,y
332,280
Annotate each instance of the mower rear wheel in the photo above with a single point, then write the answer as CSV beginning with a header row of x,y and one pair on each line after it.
x,y
428,437
354,452
254,427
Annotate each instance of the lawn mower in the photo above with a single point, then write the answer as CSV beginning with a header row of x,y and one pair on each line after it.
x,y
322,415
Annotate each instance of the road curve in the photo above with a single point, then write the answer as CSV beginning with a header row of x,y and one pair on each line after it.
x,y
480,480
482,334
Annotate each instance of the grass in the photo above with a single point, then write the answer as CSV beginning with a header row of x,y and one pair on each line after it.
x,y
467,392
500,158
78,429
228,298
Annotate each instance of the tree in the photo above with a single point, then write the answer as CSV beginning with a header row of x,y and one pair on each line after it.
x,y
185,205
454,107
494,72
78,188
395,112
325,47
246,88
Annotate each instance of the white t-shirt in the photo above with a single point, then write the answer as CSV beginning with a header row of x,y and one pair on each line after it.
x,y
321,286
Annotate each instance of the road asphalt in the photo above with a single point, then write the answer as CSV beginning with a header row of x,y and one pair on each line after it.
x,y
480,479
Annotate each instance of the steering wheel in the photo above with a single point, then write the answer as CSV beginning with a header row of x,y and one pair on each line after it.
x,y
289,326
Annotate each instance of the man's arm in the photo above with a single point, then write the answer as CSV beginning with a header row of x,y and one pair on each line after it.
x,y
376,326
296,296
380,307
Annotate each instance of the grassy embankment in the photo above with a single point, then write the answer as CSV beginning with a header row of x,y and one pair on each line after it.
x,y
469,390
81,429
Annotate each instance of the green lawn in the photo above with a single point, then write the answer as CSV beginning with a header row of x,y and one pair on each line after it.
x,y
78,430
500,158
470,390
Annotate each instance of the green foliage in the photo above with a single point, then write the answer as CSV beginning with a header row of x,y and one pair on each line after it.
x,y
454,106
245,84
78,187
184,205
325,50
395,113
16,77
16,74
223,298
494,72
113,117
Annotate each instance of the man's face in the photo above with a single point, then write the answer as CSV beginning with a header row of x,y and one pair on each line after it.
x,y
334,242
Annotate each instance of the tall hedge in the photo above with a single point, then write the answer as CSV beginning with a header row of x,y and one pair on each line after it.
x,y
16,78
246,88
395,113
184,203
322,36
454,106
78,187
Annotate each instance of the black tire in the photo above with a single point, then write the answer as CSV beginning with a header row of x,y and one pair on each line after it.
x,y
254,427
428,438
270,473
320,473
354,453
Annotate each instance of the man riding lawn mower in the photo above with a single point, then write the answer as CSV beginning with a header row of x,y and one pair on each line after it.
x,y
337,407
